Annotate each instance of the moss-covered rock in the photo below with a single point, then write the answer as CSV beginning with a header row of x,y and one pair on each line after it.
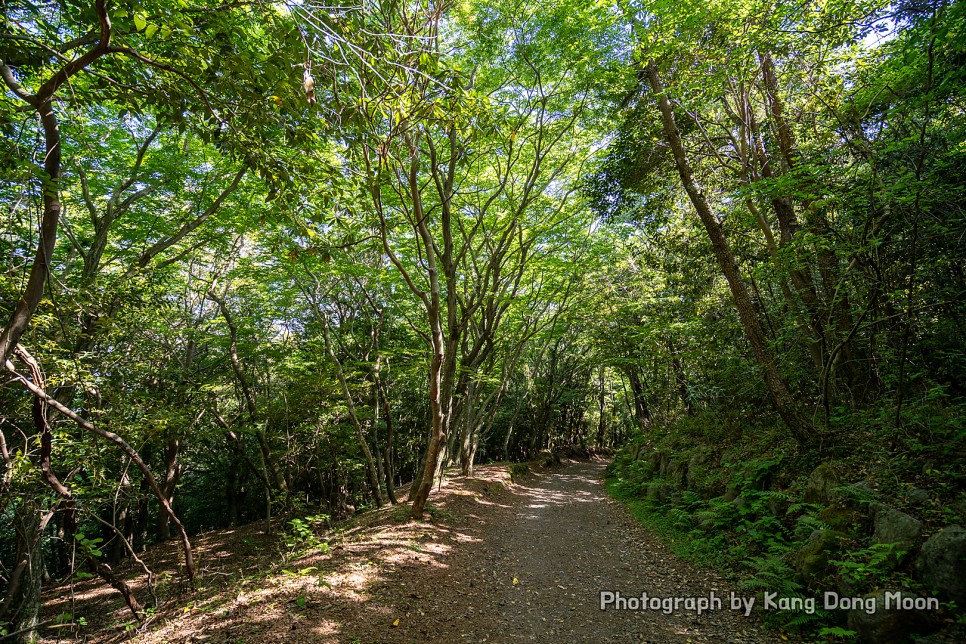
x,y
518,471
821,484
812,561
677,471
840,518
893,526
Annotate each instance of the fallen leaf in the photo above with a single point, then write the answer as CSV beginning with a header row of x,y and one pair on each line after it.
x,y
395,622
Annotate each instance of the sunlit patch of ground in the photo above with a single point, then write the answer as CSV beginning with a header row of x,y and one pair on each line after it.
x,y
251,588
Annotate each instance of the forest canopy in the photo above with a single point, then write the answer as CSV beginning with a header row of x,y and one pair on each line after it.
x,y
268,258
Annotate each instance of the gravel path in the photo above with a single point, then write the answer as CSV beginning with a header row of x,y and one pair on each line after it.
x,y
496,563
539,562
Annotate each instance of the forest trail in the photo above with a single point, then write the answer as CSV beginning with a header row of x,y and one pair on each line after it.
x,y
496,562
564,541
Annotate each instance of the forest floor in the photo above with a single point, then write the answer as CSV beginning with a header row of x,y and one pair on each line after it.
x,y
496,562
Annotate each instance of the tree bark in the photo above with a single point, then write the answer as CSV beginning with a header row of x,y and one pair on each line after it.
x,y
169,484
43,103
21,603
117,440
777,388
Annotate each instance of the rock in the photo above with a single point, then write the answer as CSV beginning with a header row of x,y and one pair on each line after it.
x,y
812,561
731,494
893,526
941,565
955,634
696,466
882,626
677,472
663,462
821,482
664,493
778,506
840,518
918,495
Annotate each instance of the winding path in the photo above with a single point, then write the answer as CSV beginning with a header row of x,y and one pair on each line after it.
x,y
564,541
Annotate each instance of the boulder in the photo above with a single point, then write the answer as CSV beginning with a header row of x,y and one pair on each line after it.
x,y
893,526
677,472
697,469
812,561
663,461
882,626
821,483
959,507
778,506
941,565
838,517
918,495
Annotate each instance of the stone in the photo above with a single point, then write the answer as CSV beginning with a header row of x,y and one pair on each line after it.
x,y
838,517
677,472
959,507
918,495
941,565
696,468
893,526
881,626
812,561
700,473
821,483
778,506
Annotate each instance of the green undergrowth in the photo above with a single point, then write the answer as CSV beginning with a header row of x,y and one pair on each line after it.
x,y
671,530
733,495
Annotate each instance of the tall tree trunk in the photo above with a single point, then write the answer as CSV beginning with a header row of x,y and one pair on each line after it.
x,y
469,429
777,388
642,413
387,451
372,469
43,103
601,423
836,301
172,472
21,603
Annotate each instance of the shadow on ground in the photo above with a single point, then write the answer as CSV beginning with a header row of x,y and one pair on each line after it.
x,y
253,588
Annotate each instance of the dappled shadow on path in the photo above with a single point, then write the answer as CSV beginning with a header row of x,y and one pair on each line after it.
x,y
374,572
494,562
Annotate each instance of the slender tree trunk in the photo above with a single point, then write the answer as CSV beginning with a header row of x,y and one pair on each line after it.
x,y
122,518
469,422
372,469
231,481
387,451
172,472
43,104
601,423
777,388
642,413
21,603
